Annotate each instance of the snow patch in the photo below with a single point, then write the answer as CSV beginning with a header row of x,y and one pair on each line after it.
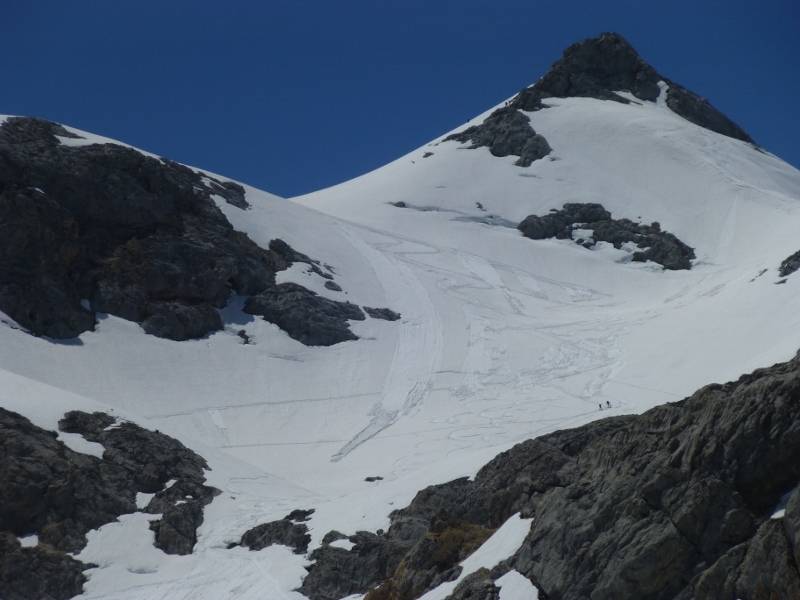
x,y
515,586
500,546
29,541
78,443
346,544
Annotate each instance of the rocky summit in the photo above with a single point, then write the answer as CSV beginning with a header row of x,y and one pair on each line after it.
x,y
600,68
482,371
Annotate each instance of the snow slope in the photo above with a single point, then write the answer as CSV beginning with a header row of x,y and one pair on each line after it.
x,y
502,338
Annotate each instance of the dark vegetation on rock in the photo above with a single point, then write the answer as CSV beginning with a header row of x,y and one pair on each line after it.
x,y
672,504
477,586
59,495
382,313
433,560
506,132
654,244
138,237
789,265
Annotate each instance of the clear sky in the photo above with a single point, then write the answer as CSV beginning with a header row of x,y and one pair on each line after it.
x,y
295,95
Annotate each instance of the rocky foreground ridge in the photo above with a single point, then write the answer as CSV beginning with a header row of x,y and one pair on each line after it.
x,y
680,502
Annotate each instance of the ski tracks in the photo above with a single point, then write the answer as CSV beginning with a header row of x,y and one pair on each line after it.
x,y
418,350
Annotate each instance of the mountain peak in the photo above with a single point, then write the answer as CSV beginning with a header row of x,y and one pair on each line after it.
x,y
602,66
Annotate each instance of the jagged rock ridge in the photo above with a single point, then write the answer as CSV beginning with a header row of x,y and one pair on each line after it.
x,y
676,503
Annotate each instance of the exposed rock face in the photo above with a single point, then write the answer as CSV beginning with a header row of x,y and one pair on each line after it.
x,y
433,560
304,315
152,459
671,504
382,313
50,490
477,586
506,132
59,494
138,237
336,572
594,68
284,532
290,255
39,572
789,265
654,244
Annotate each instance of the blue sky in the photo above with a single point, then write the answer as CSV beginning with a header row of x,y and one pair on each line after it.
x,y
296,95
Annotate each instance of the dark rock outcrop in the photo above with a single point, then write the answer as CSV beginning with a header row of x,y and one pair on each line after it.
x,y
676,503
178,321
304,315
654,244
102,228
336,572
506,132
39,572
151,460
181,506
300,515
53,491
140,238
382,313
59,494
284,532
290,255
789,265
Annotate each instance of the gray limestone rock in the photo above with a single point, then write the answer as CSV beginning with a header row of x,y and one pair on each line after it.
x,y
654,244
506,132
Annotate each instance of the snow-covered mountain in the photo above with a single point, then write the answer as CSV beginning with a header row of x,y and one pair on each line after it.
x,y
298,403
